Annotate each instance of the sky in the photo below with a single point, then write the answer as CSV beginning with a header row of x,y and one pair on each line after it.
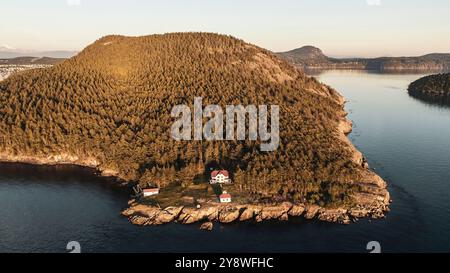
x,y
344,28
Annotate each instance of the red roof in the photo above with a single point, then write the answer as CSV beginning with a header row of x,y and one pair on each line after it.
x,y
225,195
215,173
151,190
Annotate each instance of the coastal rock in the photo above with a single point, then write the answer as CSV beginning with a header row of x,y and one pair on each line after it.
x,y
358,212
188,216
248,213
128,212
346,126
334,216
139,220
296,210
175,211
139,209
166,215
311,211
147,211
213,213
275,212
149,215
228,215
207,226
163,217
284,217
192,215
369,205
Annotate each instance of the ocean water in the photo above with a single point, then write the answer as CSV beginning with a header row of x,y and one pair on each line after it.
x,y
406,141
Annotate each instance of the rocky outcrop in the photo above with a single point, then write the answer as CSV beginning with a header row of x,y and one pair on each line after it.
x,y
335,216
296,210
193,215
228,214
249,212
207,226
311,211
279,212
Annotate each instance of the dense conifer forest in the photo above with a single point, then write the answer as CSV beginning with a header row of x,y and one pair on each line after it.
x,y
113,101
434,87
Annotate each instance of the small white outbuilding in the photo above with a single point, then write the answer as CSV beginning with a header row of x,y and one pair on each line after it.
x,y
150,192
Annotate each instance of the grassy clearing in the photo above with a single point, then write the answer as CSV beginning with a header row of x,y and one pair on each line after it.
x,y
190,196
182,196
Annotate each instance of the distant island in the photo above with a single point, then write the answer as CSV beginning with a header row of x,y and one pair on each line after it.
x,y
433,88
109,108
312,58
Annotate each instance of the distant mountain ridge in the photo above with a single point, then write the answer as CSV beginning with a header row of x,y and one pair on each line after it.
x,y
8,53
310,57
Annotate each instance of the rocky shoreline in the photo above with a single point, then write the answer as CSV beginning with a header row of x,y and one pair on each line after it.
x,y
145,215
60,159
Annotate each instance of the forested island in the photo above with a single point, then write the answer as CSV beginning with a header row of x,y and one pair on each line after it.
x,y
432,88
109,108
312,58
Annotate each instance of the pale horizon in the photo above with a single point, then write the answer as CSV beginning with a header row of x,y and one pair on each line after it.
x,y
354,28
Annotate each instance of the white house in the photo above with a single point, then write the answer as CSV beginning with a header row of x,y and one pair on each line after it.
x,y
220,177
150,192
225,197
